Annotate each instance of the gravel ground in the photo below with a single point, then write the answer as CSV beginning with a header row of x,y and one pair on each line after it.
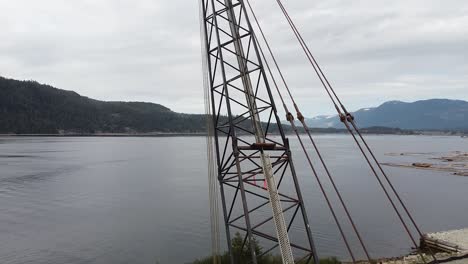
x,y
458,237
460,261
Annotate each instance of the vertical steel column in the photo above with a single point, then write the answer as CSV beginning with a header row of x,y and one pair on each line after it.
x,y
218,161
234,144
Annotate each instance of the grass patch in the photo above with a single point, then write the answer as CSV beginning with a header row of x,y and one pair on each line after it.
x,y
242,254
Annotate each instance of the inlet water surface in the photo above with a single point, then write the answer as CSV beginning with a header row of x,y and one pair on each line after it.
x,y
144,200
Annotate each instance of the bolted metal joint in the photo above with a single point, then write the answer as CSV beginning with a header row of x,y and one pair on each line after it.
x,y
342,118
300,117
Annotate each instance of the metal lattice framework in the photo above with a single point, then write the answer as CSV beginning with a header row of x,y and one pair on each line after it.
x,y
249,137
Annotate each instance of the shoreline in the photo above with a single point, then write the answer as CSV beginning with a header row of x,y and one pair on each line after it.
x,y
188,134
109,135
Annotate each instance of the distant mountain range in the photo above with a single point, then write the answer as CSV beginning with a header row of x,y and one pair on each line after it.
x,y
27,107
433,114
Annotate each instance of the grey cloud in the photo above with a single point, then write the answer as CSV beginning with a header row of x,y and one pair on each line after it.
x,y
149,50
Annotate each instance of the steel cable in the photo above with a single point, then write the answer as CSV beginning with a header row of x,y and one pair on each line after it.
x,y
347,117
315,172
212,179
301,142
306,128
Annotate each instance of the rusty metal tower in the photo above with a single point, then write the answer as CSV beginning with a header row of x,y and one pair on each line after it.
x,y
259,190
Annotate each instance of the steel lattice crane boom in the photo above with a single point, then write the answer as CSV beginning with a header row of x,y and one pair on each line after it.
x,y
254,167
243,119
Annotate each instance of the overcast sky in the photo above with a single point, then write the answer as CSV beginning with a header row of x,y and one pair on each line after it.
x,y
149,50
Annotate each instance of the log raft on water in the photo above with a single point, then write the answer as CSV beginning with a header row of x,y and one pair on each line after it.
x,y
456,162
422,165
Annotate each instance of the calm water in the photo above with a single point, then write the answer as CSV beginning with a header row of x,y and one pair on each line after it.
x,y
143,200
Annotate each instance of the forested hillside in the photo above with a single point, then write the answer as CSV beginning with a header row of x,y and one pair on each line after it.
x,y
27,107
